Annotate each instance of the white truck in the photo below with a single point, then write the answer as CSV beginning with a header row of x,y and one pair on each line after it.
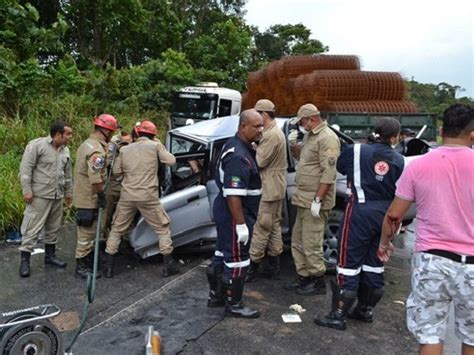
x,y
204,101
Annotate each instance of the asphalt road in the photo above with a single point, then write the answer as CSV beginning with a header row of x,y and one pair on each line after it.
x,y
138,296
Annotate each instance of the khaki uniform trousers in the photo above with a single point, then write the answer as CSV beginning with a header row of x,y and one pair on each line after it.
x,y
41,213
307,242
267,231
86,239
154,215
113,198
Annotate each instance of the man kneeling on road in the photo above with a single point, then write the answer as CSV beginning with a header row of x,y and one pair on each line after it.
x,y
235,212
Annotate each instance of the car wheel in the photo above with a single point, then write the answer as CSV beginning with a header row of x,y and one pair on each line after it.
x,y
330,236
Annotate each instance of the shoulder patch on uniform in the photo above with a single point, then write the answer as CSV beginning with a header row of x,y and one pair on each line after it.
x,y
97,162
112,148
381,168
235,181
332,161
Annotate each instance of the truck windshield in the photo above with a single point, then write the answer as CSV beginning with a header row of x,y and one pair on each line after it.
x,y
195,106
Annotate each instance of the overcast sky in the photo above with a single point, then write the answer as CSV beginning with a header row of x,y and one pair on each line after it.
x,y
431,41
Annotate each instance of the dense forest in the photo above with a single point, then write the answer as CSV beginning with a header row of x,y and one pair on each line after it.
x,y
64,59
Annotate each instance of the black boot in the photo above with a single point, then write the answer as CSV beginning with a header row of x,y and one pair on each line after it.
x,y
25,264
234,307
108,265
367,298
90,265
273,268
312,286
252,272
292,286
82,269
216,293
342,301
50,258
170,267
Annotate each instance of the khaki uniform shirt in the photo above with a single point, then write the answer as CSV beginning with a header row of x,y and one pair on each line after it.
x,y
44,171
272,160
138,162
91,168
113,151
317,165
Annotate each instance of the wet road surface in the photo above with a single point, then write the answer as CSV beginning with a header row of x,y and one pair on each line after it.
x,y
138,297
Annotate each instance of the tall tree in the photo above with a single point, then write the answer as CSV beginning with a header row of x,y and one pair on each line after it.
x,y
101,30
225,53
435,97
285,40
22,42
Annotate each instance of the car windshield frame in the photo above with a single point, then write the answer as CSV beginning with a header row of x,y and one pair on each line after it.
x,y
195,105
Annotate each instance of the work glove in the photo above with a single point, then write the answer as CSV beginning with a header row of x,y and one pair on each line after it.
x,y
101,200
293,137
242,233
315,207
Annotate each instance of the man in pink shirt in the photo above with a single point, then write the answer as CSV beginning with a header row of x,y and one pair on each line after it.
x,y
442,185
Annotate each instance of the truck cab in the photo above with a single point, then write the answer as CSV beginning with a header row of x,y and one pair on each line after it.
x,y
204,101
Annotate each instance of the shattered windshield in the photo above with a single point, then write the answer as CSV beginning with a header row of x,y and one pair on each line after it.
x,y
196,106
182,146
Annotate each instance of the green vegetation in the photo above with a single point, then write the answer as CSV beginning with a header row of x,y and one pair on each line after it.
x,y
72,60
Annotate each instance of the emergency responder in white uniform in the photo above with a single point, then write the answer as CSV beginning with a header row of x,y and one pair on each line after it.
x,y
272,161
90,175
314,198
138,163
45,176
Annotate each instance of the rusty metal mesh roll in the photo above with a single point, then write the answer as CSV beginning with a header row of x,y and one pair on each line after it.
x,y
352,85
381,106
297,65
332,82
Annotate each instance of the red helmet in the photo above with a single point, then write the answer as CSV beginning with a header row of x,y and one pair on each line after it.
x,y
146,127
106,121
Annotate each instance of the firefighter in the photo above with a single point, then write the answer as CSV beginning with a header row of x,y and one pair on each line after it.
x,y
45,175
272,161
235,212
90,176
372,170
115,183
138,163
314,197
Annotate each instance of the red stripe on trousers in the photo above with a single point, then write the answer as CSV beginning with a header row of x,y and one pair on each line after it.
x,y
345,237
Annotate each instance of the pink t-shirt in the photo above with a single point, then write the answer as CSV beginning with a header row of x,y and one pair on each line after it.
x,y
442,185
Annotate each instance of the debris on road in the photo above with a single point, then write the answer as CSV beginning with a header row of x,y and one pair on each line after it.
x,y
297,308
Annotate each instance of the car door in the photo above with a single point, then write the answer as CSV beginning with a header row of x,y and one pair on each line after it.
x,y
187,204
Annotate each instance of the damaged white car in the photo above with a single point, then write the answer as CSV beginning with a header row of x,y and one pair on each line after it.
x,y
188,189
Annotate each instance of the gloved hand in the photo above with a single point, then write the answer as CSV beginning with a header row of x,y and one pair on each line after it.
x,y
293,137
101,200
242,233
315,207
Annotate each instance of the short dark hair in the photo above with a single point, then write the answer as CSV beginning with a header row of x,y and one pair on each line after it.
x,y
148,135
269,113
57,127
386,127
458,120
